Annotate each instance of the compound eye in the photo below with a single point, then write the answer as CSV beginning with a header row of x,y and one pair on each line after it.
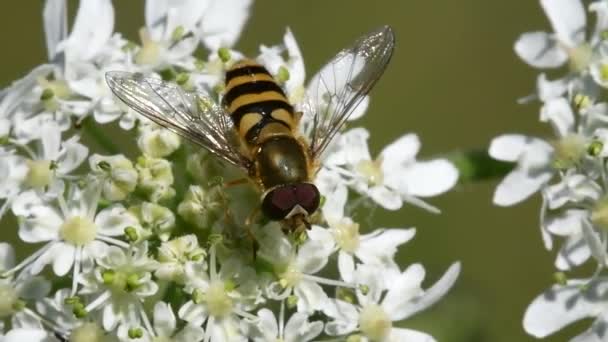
x,y
308,197
279,202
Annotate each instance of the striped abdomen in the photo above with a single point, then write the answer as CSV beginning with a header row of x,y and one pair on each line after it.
x,y
256,103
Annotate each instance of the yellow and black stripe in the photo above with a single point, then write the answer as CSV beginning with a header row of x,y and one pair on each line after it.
x,y
256,103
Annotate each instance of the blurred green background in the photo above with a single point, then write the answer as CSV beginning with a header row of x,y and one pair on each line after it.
x,y
453,80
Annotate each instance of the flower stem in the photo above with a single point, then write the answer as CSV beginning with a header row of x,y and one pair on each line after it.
x,y
95,131
476,165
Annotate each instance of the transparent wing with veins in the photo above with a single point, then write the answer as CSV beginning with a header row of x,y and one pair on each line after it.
x,y
194,116
342,84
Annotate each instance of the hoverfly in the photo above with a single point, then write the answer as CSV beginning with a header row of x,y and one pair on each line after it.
x,y
256,128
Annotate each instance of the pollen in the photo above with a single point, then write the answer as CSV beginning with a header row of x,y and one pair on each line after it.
x,y
374,322
372,170
569,151
87,332
599,214
8,300
347,236
39,174
218,302
78,230
150,50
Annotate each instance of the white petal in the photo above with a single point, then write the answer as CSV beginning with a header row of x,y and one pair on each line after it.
x,y
567,222
550,89
63,258
72,155
519,185
428,178
510,147
381,245
19,89
345,317
568,19
353,148
55,17
540,50
563,305
34,288
399,334
30,335
312,256
184,13
595,244
7,256
298,329
190,333
346,266
388,199
430,297
310,295
92,29
113,220
574,252
559,113
268,323
223,22
335,202
402,150
164,319
51,141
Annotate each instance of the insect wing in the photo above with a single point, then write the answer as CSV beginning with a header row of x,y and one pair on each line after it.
x,y
194,116
342,84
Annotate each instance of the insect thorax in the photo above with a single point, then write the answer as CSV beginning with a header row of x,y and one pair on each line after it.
x,y
281,160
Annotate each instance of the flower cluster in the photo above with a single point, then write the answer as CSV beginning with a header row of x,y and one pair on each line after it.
x,y
569,169
154,247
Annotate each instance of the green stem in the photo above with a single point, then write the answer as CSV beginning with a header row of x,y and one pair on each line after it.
x,y
95,131
476,165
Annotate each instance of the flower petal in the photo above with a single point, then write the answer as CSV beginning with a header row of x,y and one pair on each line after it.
x,y
310,295
429,178
395,296
540,50
574,252
55,17
519,185
223,22
562,305
568,19
91,31
559,114
399,334
164,319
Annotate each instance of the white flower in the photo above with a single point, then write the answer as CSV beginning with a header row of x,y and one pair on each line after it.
x,y
292,68
166,38
376,248
222,22
533,170
118,176
217,301
15,290
546,50
155,141
375,313
120,283
164,328
297,328
73,230
52,160
295,269
561,306
395,176
175,255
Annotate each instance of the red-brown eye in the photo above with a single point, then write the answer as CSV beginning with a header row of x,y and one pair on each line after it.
x,y
278,203
308,197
